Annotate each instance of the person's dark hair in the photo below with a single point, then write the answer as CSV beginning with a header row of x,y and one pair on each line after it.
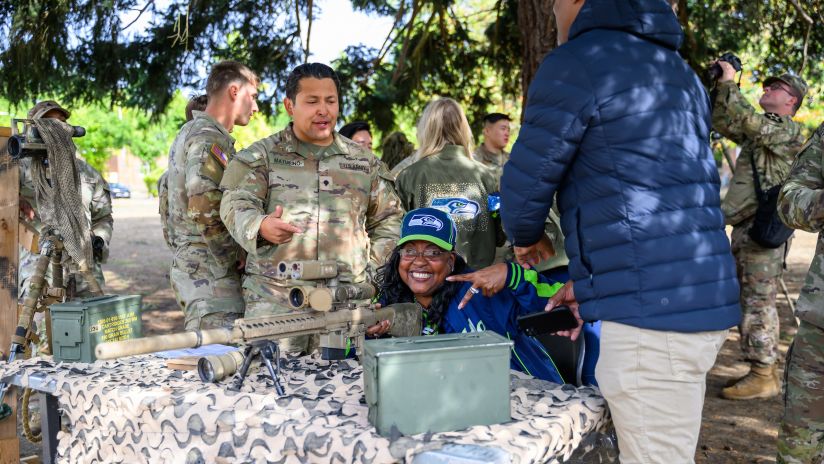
x,y
316,70
227,72
395,147
353,128
197,103
492,118
391,288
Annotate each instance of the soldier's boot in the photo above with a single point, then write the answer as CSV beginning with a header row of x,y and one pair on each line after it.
x,y
760,382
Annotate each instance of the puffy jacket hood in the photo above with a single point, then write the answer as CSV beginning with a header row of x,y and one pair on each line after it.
x,y
649,19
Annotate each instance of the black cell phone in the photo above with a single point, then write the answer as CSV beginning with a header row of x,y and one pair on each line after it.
x,y
544,322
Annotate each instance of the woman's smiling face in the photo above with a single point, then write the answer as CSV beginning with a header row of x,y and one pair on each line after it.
x,y
423,267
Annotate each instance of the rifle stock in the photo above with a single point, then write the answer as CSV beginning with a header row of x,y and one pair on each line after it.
x,y
335,327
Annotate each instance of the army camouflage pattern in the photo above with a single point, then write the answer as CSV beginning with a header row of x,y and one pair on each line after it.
x,y
495,162
801,206
96,197
758,271
138,411
163,207
204,271
801,436
341,196
773,140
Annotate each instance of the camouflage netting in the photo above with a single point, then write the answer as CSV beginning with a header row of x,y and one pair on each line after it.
x,y
139,411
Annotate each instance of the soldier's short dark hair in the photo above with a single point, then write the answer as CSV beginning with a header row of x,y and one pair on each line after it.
x,y
492,118
227,72
316,70
353,128
197,103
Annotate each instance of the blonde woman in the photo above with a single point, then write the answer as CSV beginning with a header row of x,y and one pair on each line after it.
x,y
445,177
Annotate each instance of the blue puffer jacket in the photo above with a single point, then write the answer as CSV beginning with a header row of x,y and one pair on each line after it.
x,y
618,124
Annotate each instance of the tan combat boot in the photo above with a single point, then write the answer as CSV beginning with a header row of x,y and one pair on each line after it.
x,y
761,382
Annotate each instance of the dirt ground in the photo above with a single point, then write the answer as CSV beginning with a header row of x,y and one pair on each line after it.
x,y
732,432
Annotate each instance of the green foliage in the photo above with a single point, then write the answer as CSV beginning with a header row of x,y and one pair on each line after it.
x,y
83,51
443,49
774,31
151,179
471,50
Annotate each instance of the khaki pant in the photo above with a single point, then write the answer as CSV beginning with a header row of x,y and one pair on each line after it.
x,y
654,383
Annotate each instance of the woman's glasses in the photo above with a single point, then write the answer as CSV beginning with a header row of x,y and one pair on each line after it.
x,y
429,254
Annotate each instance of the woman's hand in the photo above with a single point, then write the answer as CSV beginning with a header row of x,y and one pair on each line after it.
x,y
489,280
380,329
566,296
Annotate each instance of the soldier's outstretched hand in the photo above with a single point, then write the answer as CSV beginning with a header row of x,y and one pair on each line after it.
x,y
275,230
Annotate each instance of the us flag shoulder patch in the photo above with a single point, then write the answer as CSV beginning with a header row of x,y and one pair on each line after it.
x,y
219,155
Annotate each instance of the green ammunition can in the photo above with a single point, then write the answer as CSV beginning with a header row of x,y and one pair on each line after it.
x,y
77,326
437,383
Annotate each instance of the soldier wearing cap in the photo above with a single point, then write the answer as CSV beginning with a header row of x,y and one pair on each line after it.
x,y
769,142
97,204
308,193
205,272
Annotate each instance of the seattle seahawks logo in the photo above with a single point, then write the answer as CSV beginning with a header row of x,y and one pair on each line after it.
x,y
457,207
426,220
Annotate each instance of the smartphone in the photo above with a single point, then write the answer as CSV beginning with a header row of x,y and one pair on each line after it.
x,y
544,322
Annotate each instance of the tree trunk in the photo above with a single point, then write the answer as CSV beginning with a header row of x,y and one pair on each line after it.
x,y
538,34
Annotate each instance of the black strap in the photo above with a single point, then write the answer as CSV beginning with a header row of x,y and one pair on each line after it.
x,y
758,192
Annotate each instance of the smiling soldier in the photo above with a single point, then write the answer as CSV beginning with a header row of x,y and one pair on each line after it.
x,y
306,193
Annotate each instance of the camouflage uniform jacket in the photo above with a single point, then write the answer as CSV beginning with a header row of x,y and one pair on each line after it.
x,y
341,196
197,159
493,161
773,140
94,191
458,185
801,206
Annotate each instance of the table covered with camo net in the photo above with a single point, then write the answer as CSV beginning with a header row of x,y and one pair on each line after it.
x,y
137,410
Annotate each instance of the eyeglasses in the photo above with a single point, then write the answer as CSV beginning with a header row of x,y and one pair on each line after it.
x,y
779,86
429,254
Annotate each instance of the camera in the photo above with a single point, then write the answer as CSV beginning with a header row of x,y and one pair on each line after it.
x,y
714,72
28,143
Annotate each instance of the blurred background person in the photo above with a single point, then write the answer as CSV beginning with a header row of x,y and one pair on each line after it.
x,y
358,132
446,178
395,148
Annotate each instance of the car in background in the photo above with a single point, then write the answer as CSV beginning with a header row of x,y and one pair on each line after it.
x,y
119,190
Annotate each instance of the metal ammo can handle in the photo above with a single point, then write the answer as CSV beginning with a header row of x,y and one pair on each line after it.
x,y
440,339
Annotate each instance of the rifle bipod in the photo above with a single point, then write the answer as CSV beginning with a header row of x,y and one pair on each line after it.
x,y
268,351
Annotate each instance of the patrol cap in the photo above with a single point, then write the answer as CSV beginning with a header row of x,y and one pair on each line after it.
x,y
430,225
795,83
43,107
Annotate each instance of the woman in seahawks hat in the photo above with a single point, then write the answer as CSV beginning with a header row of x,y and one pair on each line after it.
x,y
425,268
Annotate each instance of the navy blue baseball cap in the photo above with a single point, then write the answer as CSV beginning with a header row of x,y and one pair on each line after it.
x,y
431,225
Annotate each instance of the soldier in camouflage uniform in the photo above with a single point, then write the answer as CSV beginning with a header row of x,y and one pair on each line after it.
x,y
769,141
98,207
196,103
205,272
800,205
306,193
496,136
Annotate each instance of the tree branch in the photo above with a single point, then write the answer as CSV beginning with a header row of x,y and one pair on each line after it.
x,y
142,10
810,23
308,32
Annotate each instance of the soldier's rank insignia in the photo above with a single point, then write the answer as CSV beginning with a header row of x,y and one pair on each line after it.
x,y
773,117
218,154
